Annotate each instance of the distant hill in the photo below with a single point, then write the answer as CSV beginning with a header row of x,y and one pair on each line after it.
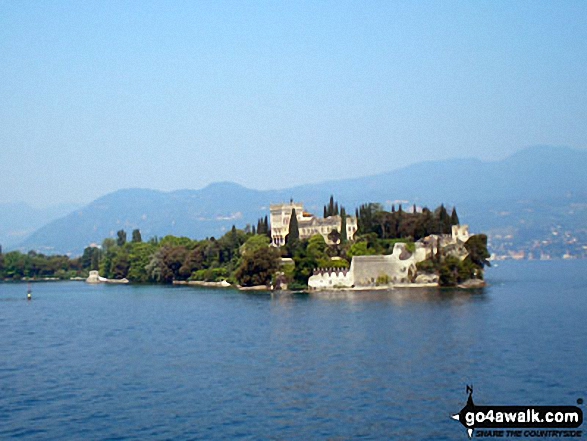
x,y
538,183
192,213
533,173
20,220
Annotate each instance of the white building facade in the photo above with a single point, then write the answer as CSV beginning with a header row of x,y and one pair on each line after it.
x,y
308,224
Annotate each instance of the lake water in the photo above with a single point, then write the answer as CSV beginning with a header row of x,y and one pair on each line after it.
x,y
151,362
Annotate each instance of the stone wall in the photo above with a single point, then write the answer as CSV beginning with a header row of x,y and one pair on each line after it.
x,y
398,267
325,278
460,233
367,271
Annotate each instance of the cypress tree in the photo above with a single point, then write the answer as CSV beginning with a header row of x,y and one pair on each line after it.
x,y
343,234
427,222
136,236
120,237
439,219
400,222
454,217
233,236
443,220
294,232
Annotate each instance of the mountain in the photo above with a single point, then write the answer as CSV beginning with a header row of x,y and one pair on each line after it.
x,y
193,213
536,188
533,173
18,220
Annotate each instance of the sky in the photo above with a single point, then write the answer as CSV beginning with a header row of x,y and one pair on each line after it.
x,y
99,96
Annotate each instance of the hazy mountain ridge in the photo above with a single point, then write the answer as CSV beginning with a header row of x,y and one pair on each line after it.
x,y
533,173
536,186
19,220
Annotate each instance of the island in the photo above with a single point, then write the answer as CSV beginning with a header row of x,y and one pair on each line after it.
x,y
290,249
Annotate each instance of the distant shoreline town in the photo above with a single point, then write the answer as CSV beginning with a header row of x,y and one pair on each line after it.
x,y
292,249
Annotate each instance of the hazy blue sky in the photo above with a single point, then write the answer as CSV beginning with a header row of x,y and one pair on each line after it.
x,y
97,96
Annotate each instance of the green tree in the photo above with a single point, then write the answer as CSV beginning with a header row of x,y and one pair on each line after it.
x,y
107,244
267,227
360,249
317,247
15,265
334,236
90,259
95,261
106,263
120,237
139,258
330,211
194,261
120,264
293,236
253,244
306,259
155,266
258,267
173,260
444,221
454,217
366,217
476,246
448,274
136,236
173,241
263,226
343,232
87,257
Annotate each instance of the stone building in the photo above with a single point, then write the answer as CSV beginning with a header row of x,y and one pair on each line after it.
x,y
308,224
397,268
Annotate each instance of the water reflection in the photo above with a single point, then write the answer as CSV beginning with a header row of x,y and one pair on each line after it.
x,y
288,297
404,296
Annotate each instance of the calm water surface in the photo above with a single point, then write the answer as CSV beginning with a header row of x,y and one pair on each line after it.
x,y
150,362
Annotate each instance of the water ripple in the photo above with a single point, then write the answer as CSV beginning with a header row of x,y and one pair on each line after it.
x,y
161,363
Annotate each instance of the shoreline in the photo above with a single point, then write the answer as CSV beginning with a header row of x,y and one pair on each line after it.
x,y
473,284
223,284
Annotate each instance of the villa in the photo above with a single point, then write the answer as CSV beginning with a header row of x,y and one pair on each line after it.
x,y
308,224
